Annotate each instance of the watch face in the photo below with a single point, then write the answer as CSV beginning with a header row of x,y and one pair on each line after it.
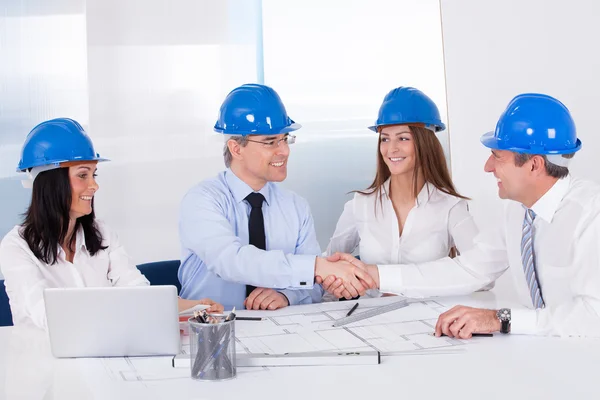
x,y
504,314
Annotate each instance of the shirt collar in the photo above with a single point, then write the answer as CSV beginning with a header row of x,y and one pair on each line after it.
x,y
79,242
80,239
423,196
240,189
547,205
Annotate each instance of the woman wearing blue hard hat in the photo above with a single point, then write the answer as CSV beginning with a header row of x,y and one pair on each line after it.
x,y
411,212
60,243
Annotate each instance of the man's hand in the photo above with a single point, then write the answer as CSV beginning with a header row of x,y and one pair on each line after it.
x,y
461,322
335,285
265,299
184,304
355,280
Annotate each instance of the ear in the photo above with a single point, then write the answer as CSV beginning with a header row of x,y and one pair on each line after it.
x,y
235,149
538,165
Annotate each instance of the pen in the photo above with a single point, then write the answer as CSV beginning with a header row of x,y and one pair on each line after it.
x,y
231,315
352,310
474,334
249,318
199,317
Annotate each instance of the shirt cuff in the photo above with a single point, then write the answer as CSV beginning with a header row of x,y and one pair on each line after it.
x,y
303,271
291,295
523,321
390,279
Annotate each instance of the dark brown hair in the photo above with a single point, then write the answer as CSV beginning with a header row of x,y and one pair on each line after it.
x,y
46,221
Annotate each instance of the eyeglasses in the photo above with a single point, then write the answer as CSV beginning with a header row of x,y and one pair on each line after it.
x,y
273,144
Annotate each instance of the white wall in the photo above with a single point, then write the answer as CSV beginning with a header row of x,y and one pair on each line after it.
x,y
495,50
42,76
146,79
333,62
158,71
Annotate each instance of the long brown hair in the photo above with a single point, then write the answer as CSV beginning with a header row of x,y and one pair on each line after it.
x,y
429,160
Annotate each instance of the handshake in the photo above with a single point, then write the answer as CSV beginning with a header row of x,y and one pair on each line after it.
x,y
345,276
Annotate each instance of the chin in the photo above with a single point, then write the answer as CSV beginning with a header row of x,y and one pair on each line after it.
x,y
278,177
399,171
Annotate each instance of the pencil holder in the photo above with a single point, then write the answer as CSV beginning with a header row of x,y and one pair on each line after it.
x,y
212,349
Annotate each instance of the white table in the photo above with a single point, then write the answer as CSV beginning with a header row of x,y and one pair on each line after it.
x,y
506,366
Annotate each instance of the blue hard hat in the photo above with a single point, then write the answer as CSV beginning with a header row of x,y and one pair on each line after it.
x,y
54,142
254,109
534,124
405,105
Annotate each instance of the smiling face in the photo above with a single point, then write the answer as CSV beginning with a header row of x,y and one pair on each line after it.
x,y
82,177
513,181
397,149
263,159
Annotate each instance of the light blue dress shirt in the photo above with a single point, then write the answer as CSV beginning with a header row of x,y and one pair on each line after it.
x,y
217,262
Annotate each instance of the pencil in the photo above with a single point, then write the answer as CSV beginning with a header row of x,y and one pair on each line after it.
x,y
352,310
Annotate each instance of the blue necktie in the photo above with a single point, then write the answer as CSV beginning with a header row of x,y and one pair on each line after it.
x,y
528,259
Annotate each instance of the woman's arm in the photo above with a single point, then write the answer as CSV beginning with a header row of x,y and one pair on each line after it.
x,y
24,281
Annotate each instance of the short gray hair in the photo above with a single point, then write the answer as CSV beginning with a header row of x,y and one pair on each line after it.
x,y
241,140
552,170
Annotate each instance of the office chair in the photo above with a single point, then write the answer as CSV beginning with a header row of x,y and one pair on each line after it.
x,y
5,314
161,273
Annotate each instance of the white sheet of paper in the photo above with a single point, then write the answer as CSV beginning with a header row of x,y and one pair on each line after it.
x,y
197,307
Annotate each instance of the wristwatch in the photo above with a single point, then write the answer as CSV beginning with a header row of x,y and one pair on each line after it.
x,y
503,315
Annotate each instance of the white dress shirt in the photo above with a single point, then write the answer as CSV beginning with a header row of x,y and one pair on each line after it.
x,y
566,236
26,277
436,223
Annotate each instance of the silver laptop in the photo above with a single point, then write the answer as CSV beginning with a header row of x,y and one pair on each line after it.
x,y
113,321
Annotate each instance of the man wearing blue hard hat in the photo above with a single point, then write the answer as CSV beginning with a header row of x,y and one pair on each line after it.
x,y
550,238
246,241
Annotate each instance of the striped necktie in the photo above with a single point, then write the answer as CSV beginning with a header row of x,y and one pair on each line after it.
x,y
528,259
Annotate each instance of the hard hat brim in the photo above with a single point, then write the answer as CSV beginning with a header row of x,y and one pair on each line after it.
x,y
489,140
437,127
290,128
58,162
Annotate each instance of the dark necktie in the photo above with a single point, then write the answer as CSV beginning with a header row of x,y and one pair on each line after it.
x,y
256,226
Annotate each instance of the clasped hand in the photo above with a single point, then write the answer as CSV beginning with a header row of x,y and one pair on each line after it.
x,y
344,276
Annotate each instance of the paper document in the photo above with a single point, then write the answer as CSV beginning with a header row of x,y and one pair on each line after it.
x,y
190,311
308,328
